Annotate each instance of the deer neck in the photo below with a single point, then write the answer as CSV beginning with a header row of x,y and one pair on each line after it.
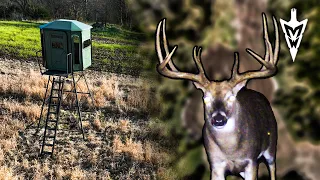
x,y
229,137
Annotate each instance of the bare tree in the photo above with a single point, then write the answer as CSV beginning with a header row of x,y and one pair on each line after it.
x,y
5,6
24,6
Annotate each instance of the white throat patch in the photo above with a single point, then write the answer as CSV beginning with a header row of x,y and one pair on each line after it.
x,y
229,127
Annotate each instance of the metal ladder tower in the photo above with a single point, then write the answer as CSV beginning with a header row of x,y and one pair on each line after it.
x,y
53,112
54,101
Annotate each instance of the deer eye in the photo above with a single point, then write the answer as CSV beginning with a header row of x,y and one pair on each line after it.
x,y
231,98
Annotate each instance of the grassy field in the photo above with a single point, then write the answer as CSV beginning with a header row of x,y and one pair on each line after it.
x,y
122,142
114,49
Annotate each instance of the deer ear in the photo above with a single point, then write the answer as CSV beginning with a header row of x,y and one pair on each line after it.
x,y
238,87
198,86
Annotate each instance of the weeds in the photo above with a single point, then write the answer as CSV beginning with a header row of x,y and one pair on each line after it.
x,y
6,173
104,90
115,147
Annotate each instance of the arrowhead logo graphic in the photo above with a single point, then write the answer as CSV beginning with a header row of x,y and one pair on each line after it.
x,y
293,31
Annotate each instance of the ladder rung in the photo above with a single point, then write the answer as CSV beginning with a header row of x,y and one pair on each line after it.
x,y
52,112
53,104
58,81
57,89
77,92
52,120
77,106
50,136
46,152
68,91
51,129
55,97
48,144
80,110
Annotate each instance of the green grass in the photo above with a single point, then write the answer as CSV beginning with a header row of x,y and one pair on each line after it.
x,y
116,58
21,40
113,47
115,32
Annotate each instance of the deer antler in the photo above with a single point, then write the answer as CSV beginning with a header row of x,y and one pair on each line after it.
x,y
174,73
269,62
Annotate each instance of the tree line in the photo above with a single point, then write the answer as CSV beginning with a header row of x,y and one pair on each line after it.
x,y
103,11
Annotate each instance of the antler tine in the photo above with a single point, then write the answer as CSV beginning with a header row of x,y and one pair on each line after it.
x,y
174,73
165,44
164,63
158,47
277,42
268,63
267,41
268,54
197,59
235,67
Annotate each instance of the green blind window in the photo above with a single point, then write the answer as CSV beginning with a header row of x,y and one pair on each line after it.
x,y
86,43
76,45
57,45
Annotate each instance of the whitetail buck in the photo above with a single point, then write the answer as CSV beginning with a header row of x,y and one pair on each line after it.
x,y
240,126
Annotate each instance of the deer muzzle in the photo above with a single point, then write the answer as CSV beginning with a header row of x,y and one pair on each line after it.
x,y
219,120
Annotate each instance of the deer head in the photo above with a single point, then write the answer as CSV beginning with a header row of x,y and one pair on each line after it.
x,y
218,96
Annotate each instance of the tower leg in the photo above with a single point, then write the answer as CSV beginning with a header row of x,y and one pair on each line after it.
x,y
43,103
53,113
90,94
48,114
78,106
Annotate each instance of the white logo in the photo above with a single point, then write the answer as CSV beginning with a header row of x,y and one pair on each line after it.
x,y
293,31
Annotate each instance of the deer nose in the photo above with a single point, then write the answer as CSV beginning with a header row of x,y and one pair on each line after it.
x,y
219,120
